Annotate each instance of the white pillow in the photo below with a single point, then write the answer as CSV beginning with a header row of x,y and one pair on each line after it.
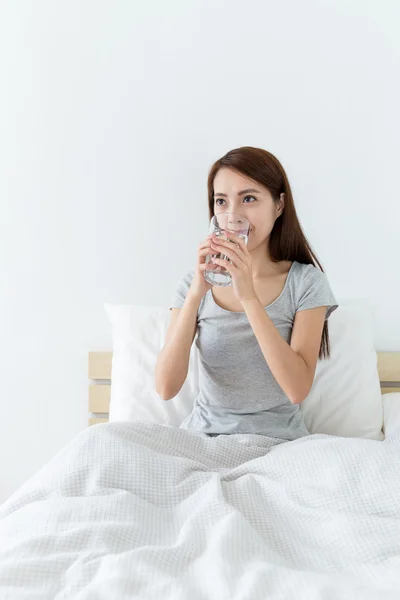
x,y
345,398
138,335
391,413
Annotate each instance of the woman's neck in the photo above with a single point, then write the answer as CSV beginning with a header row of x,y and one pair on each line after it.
x,y
262,265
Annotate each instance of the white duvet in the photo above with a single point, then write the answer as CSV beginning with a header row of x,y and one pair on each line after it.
x,y
138,510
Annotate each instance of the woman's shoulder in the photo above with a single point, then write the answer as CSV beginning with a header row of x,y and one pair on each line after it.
x,y
307,272
181,290
306,277
310,287
186,279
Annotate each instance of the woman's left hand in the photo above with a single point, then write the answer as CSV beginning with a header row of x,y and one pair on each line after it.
x,y
240,267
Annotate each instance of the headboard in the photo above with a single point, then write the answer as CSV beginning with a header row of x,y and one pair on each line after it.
x,y
99,366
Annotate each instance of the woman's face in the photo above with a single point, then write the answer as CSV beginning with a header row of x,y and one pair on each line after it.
x,y
234,192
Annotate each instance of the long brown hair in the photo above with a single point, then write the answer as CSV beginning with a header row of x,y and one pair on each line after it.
x,y
287,240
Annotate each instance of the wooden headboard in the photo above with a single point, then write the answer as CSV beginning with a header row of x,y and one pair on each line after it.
x,y
100,381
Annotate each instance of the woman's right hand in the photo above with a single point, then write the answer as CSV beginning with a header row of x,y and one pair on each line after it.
x,y
199,286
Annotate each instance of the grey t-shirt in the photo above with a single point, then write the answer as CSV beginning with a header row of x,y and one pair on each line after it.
x,y
238,392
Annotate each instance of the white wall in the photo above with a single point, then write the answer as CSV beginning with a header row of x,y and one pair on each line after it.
x,y
111,114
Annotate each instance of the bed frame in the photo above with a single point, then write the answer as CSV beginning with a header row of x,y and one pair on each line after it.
x,y
99,366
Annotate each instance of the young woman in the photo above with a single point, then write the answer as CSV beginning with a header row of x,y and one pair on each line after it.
x,y
260,338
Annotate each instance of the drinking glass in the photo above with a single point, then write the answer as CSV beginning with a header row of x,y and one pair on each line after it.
x,y
221,225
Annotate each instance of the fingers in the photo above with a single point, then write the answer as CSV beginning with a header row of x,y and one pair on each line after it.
x,y
225,264
203,253
206,251
234,242
205,243
228,250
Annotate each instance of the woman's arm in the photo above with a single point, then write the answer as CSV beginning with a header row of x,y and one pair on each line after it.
x,y
293,366
173,360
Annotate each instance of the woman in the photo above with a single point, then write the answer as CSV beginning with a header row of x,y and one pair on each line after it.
x,y
260,338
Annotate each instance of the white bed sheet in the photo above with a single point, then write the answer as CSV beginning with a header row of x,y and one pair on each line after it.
x,y
140,510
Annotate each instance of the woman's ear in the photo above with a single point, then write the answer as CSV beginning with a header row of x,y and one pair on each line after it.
x,y
281,204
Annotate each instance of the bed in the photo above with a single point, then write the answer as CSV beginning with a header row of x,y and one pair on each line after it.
x,y
144,510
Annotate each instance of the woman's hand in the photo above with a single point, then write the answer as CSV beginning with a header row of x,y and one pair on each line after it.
x,y
240,267
199,286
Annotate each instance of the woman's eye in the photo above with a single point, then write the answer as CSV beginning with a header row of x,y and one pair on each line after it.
x,y
218,200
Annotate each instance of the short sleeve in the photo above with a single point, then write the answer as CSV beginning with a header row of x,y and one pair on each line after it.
x,y
181,290
314,291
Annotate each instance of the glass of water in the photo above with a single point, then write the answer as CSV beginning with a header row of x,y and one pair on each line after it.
x,y
221,225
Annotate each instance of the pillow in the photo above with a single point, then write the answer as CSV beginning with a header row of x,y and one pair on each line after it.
x,y
345,398
138,334
391,413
